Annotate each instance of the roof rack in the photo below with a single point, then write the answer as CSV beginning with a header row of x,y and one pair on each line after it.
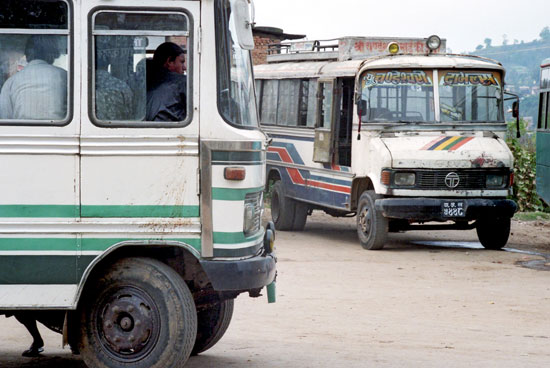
x,y
346,48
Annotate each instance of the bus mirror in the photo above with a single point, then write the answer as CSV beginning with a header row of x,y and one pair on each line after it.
x,y
362,107
515,109
243,23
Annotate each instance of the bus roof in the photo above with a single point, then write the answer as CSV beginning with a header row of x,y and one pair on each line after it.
x,y
349,68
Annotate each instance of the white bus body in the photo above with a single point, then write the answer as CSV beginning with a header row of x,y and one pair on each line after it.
x,y
399,139
130,236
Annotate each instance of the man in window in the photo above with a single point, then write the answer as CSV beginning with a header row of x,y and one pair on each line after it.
x,y
167,86
39,91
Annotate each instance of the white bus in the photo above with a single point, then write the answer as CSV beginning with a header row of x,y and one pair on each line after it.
x,y
391,130
130,232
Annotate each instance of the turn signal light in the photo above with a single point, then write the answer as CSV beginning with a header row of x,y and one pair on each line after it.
x,y
234,173
385,177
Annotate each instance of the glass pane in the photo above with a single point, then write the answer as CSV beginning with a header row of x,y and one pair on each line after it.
x,y
542,116
471,96
326,107
234,71
545,78
312,103
269,101
34,14
140,22
33,77
140,77
398,96
287,111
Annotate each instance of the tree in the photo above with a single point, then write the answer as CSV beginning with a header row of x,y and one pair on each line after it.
x,y
545,34
487,42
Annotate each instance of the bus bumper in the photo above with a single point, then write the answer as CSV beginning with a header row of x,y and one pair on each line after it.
x,y
432,209
240,275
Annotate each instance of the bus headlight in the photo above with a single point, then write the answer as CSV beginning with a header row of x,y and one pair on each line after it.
x,y
253,204
495,181
433,42
404,179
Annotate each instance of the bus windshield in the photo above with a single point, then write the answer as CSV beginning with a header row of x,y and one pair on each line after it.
x,y
398,96
236,97
407,96
470,96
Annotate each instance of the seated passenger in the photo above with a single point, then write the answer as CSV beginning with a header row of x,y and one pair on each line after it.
x,y
114,98
39,91
167,86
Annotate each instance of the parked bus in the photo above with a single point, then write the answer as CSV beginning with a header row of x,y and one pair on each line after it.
x,y
543,134
130,221
393,131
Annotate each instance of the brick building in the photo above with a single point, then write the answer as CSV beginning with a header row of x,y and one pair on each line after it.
x,y
265,36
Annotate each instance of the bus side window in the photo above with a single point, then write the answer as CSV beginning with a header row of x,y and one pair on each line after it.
x,y
123,75
270,100
34,65
543,111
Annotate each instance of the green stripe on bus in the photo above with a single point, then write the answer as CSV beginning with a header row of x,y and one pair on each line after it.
x,y
87,244
69,211
235,238
141,211
38,270
39,211
236,157
228,194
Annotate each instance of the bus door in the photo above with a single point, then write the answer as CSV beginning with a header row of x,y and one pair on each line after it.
x,y
140,151
328,95
39,193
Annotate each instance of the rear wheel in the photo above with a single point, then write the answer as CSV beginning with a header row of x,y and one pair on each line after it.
x,y
212,325
300,216
282,208
372,227
139,314
493,233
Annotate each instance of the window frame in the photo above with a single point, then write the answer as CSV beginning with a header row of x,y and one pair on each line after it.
x,y
69,32
92,62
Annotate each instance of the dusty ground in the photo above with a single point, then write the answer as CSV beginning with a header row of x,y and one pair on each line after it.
x,y
410,305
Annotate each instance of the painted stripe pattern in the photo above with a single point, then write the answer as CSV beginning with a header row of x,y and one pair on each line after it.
x,y
287,153
446,143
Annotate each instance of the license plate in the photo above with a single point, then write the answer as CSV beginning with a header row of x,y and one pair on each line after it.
x,y
453,209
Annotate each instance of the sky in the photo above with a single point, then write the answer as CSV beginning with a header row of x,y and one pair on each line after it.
x,y
464,23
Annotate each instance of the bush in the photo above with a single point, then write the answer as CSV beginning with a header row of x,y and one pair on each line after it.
x,y
525,168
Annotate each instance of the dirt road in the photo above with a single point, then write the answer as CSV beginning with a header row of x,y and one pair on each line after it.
x,y
426,300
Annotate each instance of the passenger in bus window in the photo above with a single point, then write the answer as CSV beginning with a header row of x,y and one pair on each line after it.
x,y
114,98
39,91
167,87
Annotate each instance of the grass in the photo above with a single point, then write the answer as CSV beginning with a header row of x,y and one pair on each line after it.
x,y
532,216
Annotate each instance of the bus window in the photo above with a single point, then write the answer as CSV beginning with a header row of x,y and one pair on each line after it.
x,y
543,123
128,84
472,96
308,102
34,62
326,92
270,96
287,108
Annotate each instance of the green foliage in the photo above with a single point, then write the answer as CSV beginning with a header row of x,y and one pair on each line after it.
x,y
525,166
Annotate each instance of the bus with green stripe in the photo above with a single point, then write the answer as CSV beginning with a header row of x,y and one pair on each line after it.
x,y
132,174
395,132
543,134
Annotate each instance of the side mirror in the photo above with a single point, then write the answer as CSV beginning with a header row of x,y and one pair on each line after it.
x,y
243,23
515,109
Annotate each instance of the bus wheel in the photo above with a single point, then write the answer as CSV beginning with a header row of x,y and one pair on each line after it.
x,y
300,216
493,233
372,227
212,324
282,208
139,314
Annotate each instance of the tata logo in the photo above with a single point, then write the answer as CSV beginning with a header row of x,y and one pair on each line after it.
x,y
452,180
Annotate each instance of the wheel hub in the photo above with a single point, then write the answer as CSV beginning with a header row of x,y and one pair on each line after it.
x,y
129,323
365,221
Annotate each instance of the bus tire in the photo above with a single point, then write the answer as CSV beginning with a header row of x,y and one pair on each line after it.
x,y
372,226
300,216
282,208
212,325
139,314
493,233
